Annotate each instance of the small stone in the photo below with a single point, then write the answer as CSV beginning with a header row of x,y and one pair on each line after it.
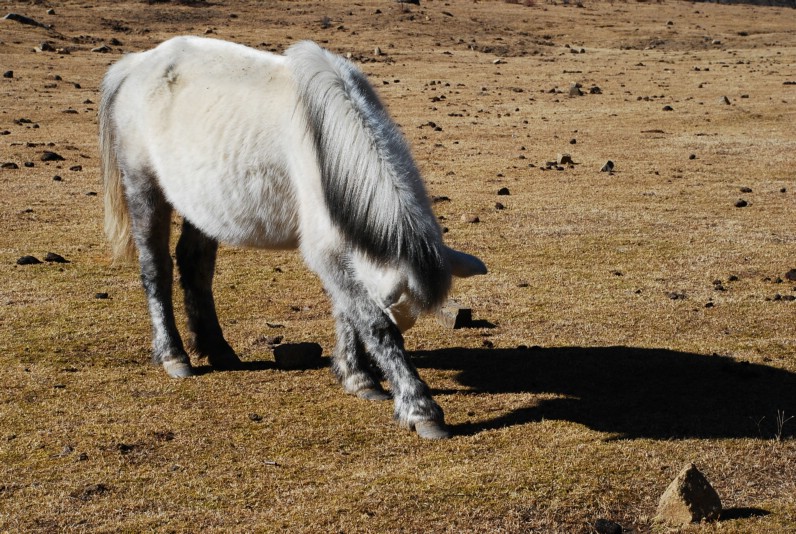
x,y
499,206
51,11
51,156
104,49
115,42
746,190
57,178
692,156
377,51
28,260
564,159
605,526
101,296
725,100
45,46
667,108
451,315
76,168
574,90
298,355
573,141
29,164
8,74
715,42
741,203
791,275
608,167
9,165
676,295
594,90
255,417
52,257
470,219
503,191
689,499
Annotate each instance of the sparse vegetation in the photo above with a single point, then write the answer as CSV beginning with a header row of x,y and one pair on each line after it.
x,y
583,387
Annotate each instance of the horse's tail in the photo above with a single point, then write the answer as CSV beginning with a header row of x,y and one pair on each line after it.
x,y
117,219
372,187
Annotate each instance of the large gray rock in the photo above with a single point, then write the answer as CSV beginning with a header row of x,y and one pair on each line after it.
x,y
689,499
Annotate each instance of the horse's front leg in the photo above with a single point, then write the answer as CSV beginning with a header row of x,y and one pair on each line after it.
x,y
350,363
196,259
151,220
414,407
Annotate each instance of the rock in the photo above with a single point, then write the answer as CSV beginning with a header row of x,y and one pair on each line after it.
x,y
22,19
57,178
564,159
725,100
452,315
574,90
594,90
298,355
9,165
28,260
692,156
101,296
741,203
52,257
104,49
470,219
45,46
791,275
746,190
605,526
8,74
377,51
667,108
689,499
51,156
499,206
608,167
503,191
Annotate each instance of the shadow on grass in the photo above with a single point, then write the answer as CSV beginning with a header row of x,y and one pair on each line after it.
x,y
632,392
731,514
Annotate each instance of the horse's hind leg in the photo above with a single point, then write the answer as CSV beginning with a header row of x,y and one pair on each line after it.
x,y
150,214
351,365
196,258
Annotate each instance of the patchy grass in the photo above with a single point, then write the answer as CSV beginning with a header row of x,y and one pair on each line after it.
x,y
586,386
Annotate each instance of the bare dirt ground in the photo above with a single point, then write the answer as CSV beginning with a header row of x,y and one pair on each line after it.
x,y
632,321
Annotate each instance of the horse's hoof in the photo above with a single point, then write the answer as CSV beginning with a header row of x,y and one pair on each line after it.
x,y
373,394
178,369
228,362
432,430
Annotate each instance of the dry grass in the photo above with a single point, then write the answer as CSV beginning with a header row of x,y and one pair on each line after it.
x,y
619,385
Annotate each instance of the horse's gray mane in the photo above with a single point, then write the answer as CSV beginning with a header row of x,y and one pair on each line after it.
x,y
372,187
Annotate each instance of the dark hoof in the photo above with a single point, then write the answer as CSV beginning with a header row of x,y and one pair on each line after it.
x,y
432,430
178,369
373,394
227,362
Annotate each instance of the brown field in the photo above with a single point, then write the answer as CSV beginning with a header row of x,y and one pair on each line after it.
x,y
605,355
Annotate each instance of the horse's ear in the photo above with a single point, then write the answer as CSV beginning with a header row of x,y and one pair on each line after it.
x,y
464,265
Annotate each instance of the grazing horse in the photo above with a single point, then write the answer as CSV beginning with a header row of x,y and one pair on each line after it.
x,y
261,150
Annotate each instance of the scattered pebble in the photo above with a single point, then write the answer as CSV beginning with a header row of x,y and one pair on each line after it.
x,y
9,165
746,190
667,108
470,219
8,74
28,260
298,355
608,167
101,296
104,49
503,191
52,257
725,100
564,159
741,203
499,206
51,156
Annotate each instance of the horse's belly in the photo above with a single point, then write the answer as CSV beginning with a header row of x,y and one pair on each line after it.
x,y
253,210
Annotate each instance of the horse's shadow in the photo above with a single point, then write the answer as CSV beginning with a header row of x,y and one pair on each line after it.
x,y
628,392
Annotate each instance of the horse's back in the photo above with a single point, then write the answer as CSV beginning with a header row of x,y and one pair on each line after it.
x,y
213,121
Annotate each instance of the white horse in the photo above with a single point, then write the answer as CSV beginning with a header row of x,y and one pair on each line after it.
x,y
261,150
